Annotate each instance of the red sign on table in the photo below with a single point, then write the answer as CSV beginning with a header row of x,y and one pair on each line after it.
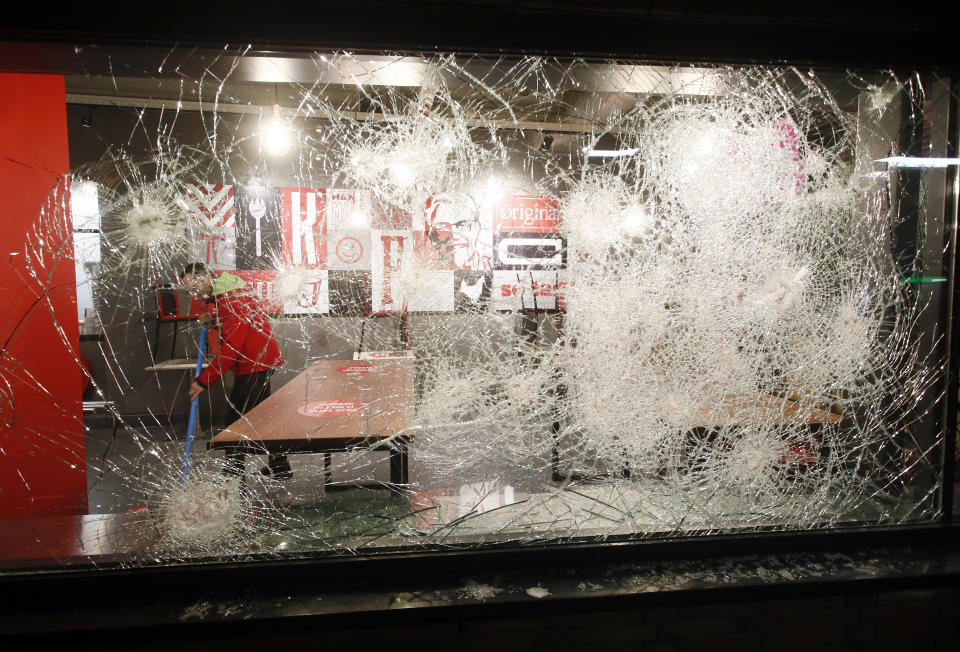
x,y
334,408
357,369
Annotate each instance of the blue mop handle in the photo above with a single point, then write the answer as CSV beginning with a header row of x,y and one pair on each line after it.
x,y
194,406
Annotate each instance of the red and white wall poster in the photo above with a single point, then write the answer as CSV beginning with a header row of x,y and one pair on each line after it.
x,y
211,208
528,290
304,227
313,298
457,232
439,252
348,229
527,214
261,282
386,257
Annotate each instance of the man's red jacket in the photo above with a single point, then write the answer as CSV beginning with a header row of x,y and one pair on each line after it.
x,y
246,341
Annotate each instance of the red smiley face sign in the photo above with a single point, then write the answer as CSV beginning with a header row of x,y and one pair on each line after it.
x,y
349,250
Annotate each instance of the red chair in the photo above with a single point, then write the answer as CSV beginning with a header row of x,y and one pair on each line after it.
x,y
168,312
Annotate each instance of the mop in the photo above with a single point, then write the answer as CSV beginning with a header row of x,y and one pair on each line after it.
x,y
205,509
194,406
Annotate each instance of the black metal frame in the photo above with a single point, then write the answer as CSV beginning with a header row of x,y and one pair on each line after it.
x,y
305,569
851,39
951,214
396,446
164,316
816,33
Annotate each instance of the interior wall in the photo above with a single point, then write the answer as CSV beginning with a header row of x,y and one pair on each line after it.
x,y
128,309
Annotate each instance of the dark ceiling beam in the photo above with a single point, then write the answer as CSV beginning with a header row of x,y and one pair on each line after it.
x,y
877,34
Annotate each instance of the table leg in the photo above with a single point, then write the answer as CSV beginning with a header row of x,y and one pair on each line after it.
x,y
236,463
555,454
399,464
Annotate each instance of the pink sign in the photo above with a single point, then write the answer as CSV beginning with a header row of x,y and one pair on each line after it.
x,y
333,408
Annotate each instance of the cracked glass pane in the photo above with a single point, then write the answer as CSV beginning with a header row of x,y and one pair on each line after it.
x,y
460,300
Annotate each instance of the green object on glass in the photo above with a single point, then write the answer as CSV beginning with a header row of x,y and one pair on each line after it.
x,y
924,279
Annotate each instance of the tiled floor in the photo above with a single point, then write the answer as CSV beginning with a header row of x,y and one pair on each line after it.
x,y
140,465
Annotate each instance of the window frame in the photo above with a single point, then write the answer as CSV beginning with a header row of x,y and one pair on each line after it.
x,y
531,28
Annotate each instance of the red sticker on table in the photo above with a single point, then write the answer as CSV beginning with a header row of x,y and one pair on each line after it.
x,y
335,408
383,354
357,369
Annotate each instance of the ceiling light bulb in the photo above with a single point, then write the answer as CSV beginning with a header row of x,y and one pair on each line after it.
x,y
275,137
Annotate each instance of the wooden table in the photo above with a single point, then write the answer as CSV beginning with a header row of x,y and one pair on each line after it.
x,y
769,408
734,412
333,406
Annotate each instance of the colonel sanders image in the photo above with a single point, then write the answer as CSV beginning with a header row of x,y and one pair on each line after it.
x,y
453,228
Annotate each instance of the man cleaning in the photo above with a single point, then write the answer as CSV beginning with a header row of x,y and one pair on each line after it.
x,y
247,348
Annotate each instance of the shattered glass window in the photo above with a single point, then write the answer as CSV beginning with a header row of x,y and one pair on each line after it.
x,y
454,301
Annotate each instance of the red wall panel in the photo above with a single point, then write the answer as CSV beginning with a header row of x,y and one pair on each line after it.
x,y
42,458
